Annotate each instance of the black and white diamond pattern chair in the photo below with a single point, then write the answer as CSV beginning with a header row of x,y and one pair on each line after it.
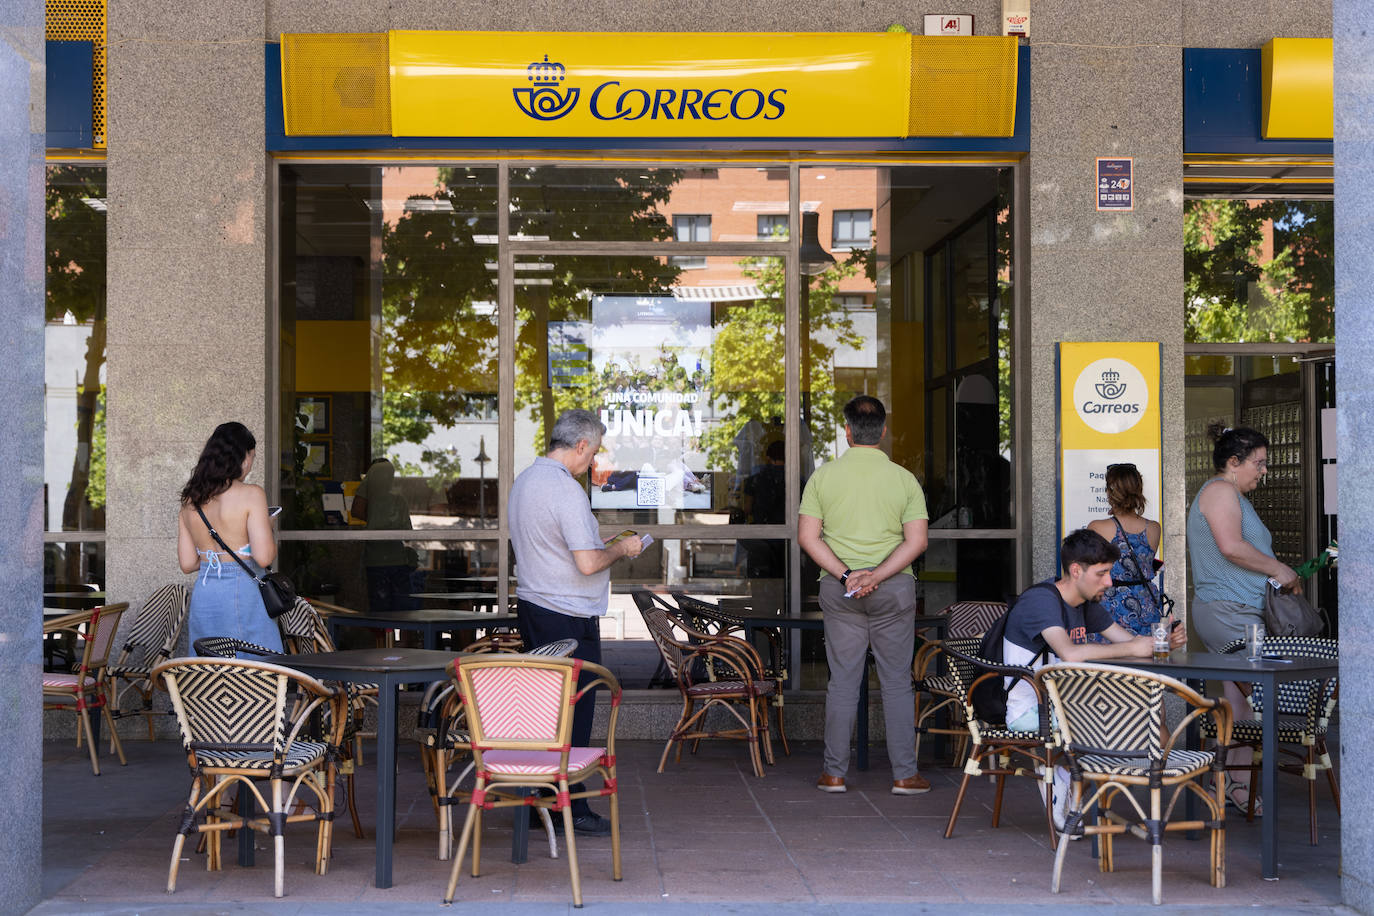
x,y
150,641
240,727
444,739
1109,722
1304,715
998,751
943,692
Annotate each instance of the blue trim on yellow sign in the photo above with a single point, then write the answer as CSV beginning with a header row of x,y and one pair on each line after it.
x,y
278,141
69,65
1222,104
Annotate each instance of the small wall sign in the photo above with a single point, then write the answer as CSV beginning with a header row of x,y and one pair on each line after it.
x,y
948,24
1115,184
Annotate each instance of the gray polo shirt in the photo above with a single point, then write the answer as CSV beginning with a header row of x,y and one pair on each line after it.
x,y
550,517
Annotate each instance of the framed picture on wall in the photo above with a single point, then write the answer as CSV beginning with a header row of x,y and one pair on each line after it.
x,y
317,460
312,415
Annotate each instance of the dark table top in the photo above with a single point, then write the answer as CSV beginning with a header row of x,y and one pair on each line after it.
x,y
433,615
380,661
1186,664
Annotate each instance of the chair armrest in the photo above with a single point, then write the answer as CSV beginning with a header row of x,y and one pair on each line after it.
x,y
67,622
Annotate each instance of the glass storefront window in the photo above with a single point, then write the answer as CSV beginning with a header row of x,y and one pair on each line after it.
x,y
593,204
389,359
73,575
935,346
1259,271
688,380
74,341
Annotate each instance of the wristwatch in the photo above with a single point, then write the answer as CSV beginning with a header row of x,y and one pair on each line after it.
x,y
845,577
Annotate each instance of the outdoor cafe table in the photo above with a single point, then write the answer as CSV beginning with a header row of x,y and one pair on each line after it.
x,y
429,622
815,620
388,669
1268,673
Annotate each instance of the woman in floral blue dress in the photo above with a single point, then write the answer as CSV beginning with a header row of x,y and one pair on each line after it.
x,y
1134,600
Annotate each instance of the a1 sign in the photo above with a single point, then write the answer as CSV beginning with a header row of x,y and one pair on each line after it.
x,y
948,24
1115,184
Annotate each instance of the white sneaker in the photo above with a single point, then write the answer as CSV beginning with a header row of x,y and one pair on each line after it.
x,y
1063,789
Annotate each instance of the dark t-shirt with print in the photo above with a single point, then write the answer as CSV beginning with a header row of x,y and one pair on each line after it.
x,y
1039,608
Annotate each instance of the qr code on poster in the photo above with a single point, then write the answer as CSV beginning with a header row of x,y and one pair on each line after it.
x,y
649,491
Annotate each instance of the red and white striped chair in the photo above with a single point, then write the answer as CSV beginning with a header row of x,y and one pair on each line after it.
x,y
519,711
88,686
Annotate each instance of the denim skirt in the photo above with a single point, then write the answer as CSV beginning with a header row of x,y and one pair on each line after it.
x,y
226,602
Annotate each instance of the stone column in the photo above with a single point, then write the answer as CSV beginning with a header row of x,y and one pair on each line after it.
x,y
1113,91
22,143
1354,40
187,262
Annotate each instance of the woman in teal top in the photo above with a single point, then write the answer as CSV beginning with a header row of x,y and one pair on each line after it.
x,y
1232,557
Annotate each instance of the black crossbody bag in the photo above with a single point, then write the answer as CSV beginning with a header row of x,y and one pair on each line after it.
x,y
278,594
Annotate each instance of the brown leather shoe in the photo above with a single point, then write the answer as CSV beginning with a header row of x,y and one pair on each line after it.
x,y
912,785
828,783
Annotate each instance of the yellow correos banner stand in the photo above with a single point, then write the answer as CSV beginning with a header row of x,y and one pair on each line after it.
x,y
644,84
1109,413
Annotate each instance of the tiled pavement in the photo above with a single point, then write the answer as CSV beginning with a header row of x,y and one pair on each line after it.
x,y
706,832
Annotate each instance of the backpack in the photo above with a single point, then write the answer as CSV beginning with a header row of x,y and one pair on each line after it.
x,y
990,696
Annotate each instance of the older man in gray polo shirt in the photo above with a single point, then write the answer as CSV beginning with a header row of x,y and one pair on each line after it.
x,y
564,567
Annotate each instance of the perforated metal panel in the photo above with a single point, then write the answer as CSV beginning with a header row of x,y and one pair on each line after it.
x,y
84,20
336,84
963,87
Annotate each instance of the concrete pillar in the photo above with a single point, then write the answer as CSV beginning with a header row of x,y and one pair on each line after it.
x,y
1105,276
187,262
22,142
1354,40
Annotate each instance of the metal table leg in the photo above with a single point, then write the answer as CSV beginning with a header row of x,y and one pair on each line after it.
x,y
386,778
1269,837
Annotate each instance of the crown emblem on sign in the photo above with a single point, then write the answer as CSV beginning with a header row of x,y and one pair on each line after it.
x,y
1111,376
1110,386
544,73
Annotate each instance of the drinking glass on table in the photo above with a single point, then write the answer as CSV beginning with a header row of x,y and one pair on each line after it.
x,y
1160,632
1254,641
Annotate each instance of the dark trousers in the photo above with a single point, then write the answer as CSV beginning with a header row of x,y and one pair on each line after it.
x,y
540,626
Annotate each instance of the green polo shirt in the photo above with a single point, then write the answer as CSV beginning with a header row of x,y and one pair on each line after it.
x,y
863,500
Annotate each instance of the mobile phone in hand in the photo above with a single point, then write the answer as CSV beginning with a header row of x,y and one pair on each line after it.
x,y
1174,626
645,541
273,511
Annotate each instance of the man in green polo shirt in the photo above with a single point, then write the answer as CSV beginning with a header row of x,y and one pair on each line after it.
x,y
863,520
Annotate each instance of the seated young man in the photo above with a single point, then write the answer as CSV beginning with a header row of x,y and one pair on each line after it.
x,y
1057,615
1058,618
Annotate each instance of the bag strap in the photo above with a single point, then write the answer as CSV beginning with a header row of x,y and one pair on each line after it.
x,y
1128,554
220,541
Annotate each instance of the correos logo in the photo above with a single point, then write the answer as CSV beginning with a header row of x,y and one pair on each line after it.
x,y
546,99
1110,395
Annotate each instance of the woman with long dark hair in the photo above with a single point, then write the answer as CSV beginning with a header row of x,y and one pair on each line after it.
x,y
1232,556
225,600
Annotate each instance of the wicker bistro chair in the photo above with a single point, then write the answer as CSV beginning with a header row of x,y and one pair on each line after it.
x,y
742,686
1108,720
769,643
1304,715
238,725
229,647
87,687
444,738
519,711
943,692
998,751
151,640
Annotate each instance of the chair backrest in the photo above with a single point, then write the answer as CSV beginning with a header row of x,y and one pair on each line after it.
x,y
972,618
661,627
154,634
1102,709
236,705
560,649
499,641
227,647
100,636
963,670
518,702
1315,698
303,629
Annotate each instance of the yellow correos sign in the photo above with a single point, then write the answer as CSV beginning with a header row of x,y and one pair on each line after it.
x,y
1109,413
516,84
